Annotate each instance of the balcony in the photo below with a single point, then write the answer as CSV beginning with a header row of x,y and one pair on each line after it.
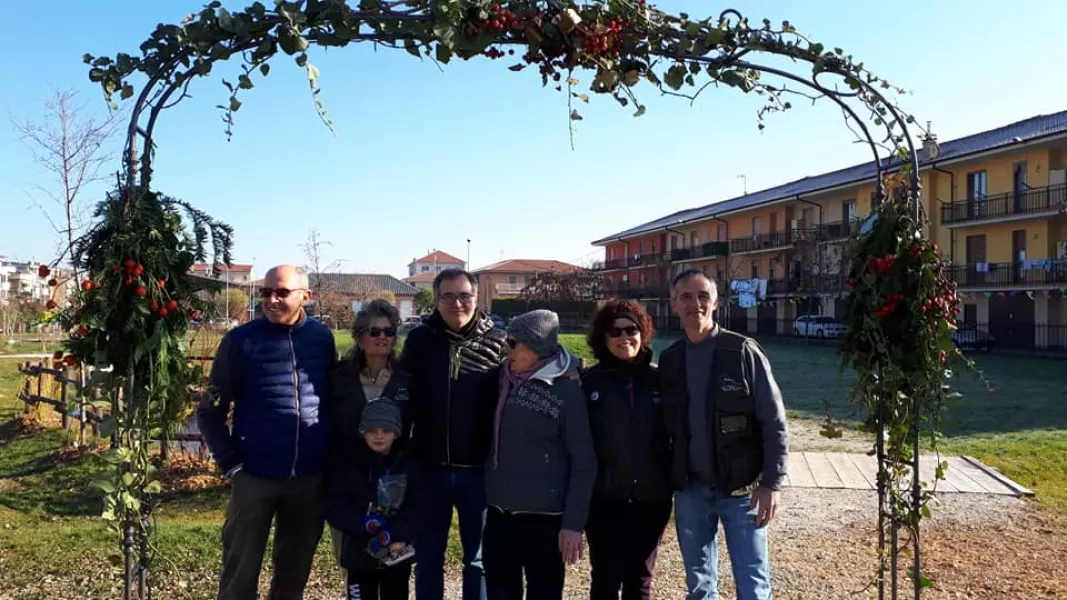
x,y
837,230
1009,206
508,289
708,250
1024,275
630,262
609,265
761,242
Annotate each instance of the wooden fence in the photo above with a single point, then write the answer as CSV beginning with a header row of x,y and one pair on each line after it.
x,y
86,413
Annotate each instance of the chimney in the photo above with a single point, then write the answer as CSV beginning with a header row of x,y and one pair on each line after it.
x,y
931,149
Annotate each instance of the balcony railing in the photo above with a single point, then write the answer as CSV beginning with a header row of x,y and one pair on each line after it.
x,y
761,241
609,265
1018,274
708,250
837,230
1026,202
630,262
509,288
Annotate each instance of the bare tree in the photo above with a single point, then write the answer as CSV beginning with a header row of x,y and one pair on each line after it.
x,y
70,145
573,286
315,264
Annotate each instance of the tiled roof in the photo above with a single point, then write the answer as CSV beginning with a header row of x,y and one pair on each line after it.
x,y
360,283
527,265
437,256
1020,132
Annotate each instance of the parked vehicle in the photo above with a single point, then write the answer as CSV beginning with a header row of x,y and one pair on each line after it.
x,y
411,323
970,337
818,326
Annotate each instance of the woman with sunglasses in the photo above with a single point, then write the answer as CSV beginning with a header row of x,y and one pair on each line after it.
x,y
632,498
541,467
370,372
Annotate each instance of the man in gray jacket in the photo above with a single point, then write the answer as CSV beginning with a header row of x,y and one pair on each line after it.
x,y
542,467
724,411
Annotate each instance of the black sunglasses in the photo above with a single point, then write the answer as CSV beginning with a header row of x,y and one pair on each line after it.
x,y
282,293
628,331
379,331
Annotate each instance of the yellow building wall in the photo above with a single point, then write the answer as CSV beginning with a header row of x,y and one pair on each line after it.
x,y
1000,172
998,241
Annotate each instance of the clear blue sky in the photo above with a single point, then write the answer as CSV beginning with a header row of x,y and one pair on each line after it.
x,y
425,159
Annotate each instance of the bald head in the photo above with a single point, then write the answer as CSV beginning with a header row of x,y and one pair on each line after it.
x,y
285,292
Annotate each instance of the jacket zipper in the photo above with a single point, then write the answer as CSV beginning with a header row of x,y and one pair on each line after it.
x,y
448,409
296,400
633,451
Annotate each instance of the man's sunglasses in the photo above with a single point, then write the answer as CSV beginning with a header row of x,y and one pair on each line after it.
x,y
379,331
282,293
629,331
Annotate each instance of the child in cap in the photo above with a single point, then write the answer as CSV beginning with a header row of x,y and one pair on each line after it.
x,y
371,496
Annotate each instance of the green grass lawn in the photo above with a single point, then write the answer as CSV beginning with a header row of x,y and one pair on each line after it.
x,y
48,510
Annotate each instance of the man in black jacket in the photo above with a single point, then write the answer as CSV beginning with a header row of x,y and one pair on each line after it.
x,y
453,362
725,414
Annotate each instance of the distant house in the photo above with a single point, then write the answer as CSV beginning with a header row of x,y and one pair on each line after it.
x,y
507,278
421,280
359,287
21,280
232,274
434,262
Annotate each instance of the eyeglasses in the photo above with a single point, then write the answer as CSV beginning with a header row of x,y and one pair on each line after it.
x,y
511,343
282,293
379,331
628,331
450,298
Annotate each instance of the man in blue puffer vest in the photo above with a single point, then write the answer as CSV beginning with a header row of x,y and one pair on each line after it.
x,y
272,371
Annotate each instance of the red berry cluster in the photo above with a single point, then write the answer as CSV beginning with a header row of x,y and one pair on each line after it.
x,y
134,270
69,360
604,40
889,305
500,20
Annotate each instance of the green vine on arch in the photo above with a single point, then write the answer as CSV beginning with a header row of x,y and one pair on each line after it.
x,y
621,47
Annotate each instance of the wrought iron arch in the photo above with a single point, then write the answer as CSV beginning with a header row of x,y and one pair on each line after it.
x,y
177,55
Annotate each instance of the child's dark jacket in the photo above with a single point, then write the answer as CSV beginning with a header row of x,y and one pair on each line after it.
x,y
352,487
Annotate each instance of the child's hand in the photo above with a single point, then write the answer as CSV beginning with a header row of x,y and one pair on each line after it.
x,y
397,547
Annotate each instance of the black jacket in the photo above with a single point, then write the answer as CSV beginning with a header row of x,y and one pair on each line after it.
x,y
632,444
453,389
351,488
347,399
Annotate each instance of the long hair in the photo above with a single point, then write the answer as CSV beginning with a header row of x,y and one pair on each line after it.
x,y
375,309
605,320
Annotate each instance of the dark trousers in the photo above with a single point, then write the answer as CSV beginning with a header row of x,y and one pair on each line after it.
x,y
522,544
445,488
382,584
623,539
295,508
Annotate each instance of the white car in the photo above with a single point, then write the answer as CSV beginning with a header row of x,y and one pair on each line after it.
x,y
818,326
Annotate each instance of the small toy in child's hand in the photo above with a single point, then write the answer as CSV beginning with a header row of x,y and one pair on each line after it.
x,y
398,552
372,524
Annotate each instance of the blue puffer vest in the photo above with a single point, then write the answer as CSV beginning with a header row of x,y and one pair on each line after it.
x,y
278,426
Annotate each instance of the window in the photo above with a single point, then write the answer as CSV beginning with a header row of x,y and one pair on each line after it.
x,y
977,191
720,233
425,269
694,239
755,269
641,247
772,268
756,226
848,211
512,279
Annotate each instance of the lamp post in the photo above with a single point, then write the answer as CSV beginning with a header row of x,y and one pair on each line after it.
x,y
468,265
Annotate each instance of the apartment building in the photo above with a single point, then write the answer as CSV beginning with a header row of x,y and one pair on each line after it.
x,y
997,208
507,278
422,271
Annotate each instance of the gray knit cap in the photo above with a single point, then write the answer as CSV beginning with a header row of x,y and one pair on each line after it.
x,y
537,330
382,413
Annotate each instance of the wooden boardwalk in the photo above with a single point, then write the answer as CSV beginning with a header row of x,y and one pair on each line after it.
x,y
850,471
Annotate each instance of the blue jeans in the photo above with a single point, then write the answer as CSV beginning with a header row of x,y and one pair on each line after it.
x,y
446,488
697,512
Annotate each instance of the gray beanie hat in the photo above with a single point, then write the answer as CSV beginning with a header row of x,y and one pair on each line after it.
x,y
537,330
382,413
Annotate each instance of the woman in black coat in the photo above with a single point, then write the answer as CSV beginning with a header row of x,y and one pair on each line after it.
x,y
632,498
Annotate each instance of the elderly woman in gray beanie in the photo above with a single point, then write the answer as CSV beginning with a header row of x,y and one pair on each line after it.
x,y
542,467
